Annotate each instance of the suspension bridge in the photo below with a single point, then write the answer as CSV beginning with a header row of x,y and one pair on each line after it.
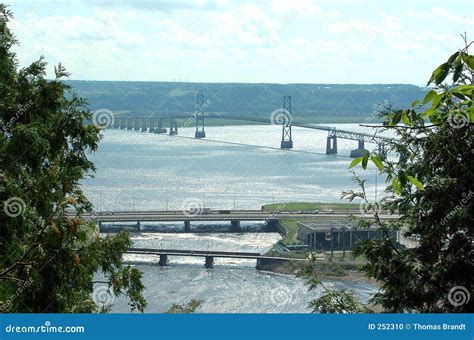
x,y
159,123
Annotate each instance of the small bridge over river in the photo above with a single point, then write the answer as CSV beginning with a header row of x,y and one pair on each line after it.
x,y
208,255
283,117
208,215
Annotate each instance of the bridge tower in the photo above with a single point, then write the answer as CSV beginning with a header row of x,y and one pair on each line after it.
x,y
200,133
331,145
286,141
173,126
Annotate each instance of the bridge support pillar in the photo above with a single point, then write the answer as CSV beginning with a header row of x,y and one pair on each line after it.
x,y
163,260
360,151
123,123
139,226
209,262
152,126
99,225
331,145
129,124
160,128
173,127
235,225
187,226
116,124
136,125
144,128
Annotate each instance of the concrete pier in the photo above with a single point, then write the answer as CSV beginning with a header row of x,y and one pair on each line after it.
x,y
286,144
209,262
360,151
187,226
331,145
235,225
163,260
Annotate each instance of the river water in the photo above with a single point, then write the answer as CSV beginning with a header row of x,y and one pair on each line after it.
x,y
144,171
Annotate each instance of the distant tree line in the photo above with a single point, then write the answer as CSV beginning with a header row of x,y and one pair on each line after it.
x,y
308,100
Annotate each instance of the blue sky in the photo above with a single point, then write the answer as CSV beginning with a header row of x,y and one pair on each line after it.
x,y
280,41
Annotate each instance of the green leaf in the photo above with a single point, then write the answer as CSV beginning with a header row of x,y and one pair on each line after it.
x,y
453,57
355,162
402,177
396,185
436,101
439,74
429,96
396,117
415,103
416,183
464,89
457,72
376,160
406,120
365,159
469,60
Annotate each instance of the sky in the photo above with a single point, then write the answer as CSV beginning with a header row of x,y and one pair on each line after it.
x,y
279,41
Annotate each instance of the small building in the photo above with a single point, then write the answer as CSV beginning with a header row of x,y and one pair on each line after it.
x,y
335,236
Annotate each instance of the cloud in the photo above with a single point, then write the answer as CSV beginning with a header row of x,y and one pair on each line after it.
x,y
439,13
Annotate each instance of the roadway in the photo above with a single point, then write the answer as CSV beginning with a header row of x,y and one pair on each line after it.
x,y
202,253
215,215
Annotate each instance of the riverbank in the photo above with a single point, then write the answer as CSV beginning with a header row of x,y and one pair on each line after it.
x,y
337,265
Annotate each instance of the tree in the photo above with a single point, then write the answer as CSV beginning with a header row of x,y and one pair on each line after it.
x,y
431,187
49,257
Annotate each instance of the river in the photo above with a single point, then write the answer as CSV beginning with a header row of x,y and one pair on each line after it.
x,y
144,171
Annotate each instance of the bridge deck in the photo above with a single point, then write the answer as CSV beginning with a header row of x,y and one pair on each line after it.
x,y
201,253
345,134
214,215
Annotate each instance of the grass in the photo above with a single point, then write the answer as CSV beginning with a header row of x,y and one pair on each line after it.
x,y
295,206
185,308
291,228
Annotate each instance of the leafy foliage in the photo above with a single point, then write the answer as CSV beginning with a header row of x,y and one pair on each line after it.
x,y
187,308
331,301
431,187
48,254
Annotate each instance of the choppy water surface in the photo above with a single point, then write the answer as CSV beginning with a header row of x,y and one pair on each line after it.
x,y
139,170
143,171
